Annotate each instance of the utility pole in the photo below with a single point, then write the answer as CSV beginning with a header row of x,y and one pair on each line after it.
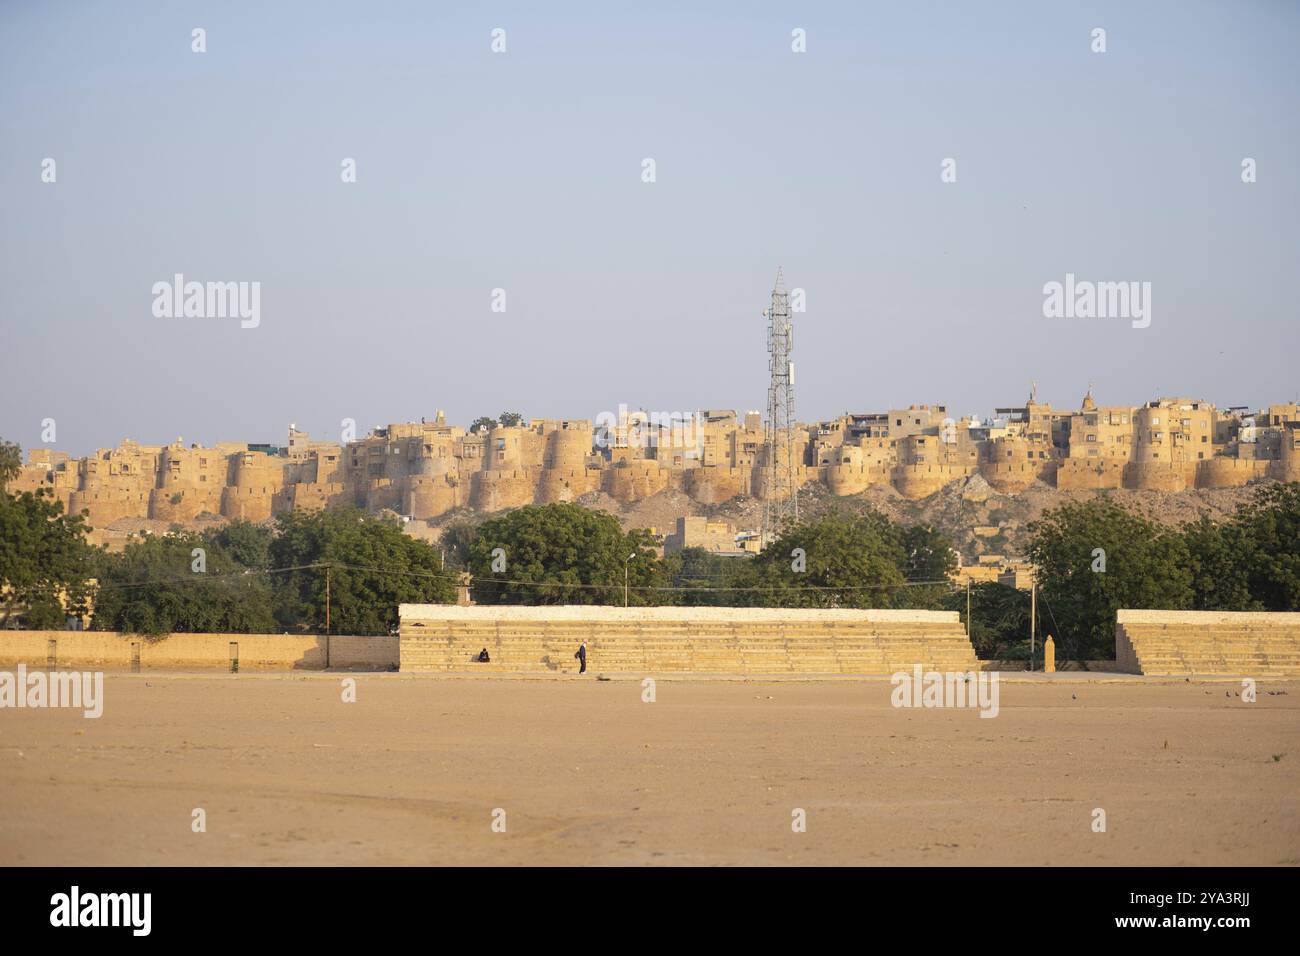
x,y
625,566
327,599
968,609
1033,619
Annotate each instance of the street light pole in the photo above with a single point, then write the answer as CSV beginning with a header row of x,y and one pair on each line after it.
x,y
625,564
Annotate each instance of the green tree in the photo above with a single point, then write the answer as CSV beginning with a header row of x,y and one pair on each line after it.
x,y
837,561
510,419
45,562
929,556
159,585
373,567
456,540
483,422
11,462
1146,566
1220,557
248,544
705,578
562,554
1267,533
999,625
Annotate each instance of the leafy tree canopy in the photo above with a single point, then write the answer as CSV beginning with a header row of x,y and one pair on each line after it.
x,y
373,567
1146,566
561,554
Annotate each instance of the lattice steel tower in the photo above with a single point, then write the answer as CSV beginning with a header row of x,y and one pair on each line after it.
x,y
781,504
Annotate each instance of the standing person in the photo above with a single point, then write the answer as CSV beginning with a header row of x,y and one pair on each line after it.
x,y
582,656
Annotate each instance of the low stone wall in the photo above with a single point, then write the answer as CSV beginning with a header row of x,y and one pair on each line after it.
x,y
1097,667
113,651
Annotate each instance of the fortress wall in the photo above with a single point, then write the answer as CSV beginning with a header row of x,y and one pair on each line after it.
x,y
803,474
854,479
60,487
381,493
567,449
113,651
1157,476
257,471
921,481
312,496
1228,472
425,498
29,478
496,490
104,506
248,503
1090,474
1013,475
183,502
711,486
636,480
1287,468
566,484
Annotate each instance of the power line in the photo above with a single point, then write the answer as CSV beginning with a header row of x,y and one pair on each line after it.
x,y
202,577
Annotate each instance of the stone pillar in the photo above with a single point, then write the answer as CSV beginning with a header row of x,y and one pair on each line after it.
x,y
1049,656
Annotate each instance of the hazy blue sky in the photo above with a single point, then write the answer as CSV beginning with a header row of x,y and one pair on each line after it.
x,y
523,171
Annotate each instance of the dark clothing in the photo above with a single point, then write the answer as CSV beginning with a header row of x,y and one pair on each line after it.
x,y
582,657
483,657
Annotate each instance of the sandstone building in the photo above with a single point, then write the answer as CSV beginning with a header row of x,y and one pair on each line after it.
x,y
424,470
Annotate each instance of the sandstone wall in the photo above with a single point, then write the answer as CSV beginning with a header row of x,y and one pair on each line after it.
x,y
647,641
104,649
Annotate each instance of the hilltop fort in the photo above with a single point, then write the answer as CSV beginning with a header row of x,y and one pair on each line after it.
x,y
424,470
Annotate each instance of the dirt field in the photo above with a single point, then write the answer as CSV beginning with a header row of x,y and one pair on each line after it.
x,y
707,774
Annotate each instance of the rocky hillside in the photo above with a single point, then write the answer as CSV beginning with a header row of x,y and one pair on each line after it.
x,y
978,519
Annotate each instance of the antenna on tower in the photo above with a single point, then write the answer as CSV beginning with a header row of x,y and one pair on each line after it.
x,y
781,499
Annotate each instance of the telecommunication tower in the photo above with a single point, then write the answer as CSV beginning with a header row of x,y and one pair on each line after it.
x,y
781,502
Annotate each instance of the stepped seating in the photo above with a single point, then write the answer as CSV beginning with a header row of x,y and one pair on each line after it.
x,y
1207,643
708,645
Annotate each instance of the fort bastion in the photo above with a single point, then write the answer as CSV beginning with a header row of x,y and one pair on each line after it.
x,y
425,469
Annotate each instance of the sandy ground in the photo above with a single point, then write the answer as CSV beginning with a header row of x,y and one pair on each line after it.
x,y
707,774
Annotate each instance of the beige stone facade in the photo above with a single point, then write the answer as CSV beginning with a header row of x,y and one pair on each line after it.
x,y
425,469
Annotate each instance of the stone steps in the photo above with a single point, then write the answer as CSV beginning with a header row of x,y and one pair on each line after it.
x,y
1245,644
805,653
